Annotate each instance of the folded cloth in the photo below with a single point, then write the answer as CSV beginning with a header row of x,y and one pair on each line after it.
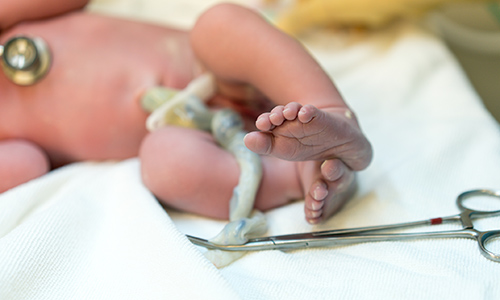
x,y
92,231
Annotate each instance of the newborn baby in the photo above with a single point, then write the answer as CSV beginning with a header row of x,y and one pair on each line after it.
x,y
88,108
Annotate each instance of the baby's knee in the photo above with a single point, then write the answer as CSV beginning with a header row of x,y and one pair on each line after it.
x,y
21,162
224,13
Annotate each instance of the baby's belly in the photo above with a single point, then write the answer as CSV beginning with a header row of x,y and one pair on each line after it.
x,y
99,136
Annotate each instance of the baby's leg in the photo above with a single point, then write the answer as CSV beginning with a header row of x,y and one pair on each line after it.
x,y
300,133
20,162
187,170
255,53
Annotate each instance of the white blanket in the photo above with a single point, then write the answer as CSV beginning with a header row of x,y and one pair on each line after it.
x,y
93,231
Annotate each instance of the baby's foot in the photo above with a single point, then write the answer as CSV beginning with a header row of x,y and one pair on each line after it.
x,y
299,133
327,187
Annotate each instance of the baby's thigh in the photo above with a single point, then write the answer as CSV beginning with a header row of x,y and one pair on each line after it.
x,y
187,170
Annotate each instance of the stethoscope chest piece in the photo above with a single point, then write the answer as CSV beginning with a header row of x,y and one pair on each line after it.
x,y
25,60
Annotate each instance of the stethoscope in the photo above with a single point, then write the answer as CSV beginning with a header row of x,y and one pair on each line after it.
x,y
25,60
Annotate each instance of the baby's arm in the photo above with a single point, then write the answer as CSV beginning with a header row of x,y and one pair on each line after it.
x,y
14,11
20,161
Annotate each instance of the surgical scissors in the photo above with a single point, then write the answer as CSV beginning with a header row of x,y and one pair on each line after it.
x,y
368,234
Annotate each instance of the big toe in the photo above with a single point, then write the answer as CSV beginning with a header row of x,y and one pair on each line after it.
x,y
258,142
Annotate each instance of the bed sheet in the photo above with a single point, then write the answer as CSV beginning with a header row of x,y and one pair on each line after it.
x,y
91,230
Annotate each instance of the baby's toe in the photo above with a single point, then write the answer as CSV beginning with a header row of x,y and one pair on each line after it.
x,y
314,205
313,217
313,210
315,201
319,190
258,142
291,110
263,122
307,113
276,116
333,169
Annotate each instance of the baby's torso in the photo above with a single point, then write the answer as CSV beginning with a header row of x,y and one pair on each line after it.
x,y
87,107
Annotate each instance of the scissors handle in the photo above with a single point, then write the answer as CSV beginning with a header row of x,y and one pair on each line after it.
x,y
484,239
467,213
478,193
